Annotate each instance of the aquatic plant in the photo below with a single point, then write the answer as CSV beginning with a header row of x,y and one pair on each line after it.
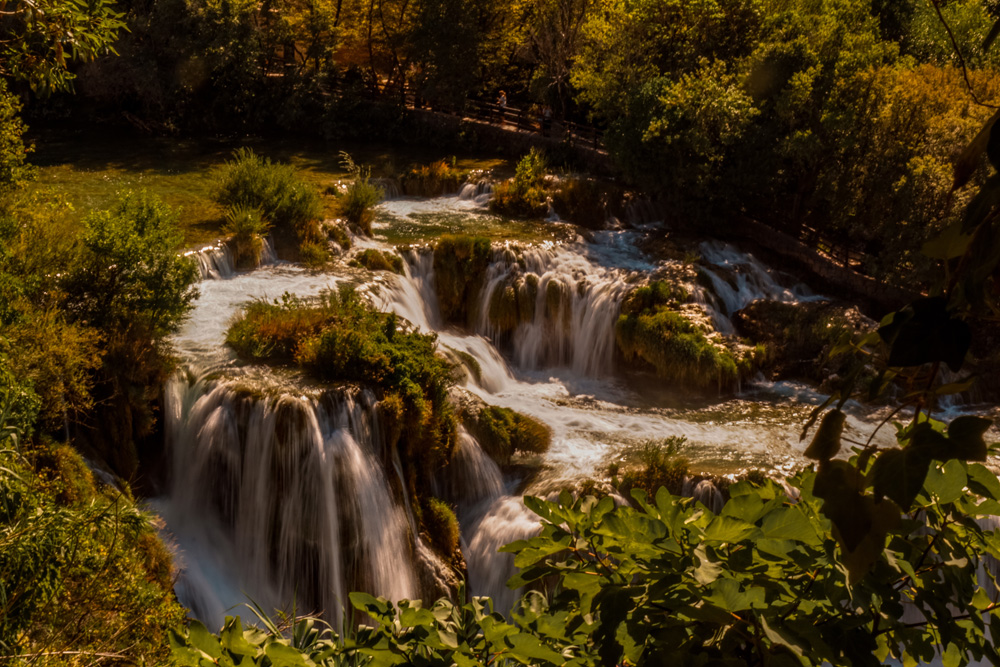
x,y
524,195
432,180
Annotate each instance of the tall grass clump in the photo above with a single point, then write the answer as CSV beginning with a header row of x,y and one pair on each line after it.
x,y
247,227
524,195
433,180
357,204
284,199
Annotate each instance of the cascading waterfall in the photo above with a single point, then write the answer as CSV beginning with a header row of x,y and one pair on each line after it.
x,y
215,262
738,280
479,192
290,491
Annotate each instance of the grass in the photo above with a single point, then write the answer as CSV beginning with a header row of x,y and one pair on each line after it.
x,y
89,169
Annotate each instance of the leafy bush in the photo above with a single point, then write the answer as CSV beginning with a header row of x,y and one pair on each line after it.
x,y
377,260
460,264
129,283
252,181
524,195
81,570
248,228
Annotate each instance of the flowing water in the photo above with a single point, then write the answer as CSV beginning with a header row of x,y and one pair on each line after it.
x,y
282,492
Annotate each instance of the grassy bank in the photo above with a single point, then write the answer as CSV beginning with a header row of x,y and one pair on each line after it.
x,y
88,170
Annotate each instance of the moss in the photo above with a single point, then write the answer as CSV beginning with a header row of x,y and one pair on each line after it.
x,y
504,314
377,260
460,264
441,525
64,474
655,294
502,432
470,364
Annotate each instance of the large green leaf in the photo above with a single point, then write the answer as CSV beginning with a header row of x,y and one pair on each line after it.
x,y
789,523
899,474
826,442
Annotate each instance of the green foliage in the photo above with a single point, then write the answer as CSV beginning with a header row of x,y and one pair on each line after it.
x,y
357,203
39,39
668,582
128,275
80,570
13,168
460,264
378,260
502,432
525,194
283,199
248,228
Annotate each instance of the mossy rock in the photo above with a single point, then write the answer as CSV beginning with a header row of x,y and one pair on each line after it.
x,y
441,525
377,260
798,335
460,264
502,432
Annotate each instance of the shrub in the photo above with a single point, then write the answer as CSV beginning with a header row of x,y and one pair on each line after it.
x,y
660,466
80,570
460,264
377,260
524,195
248,228
284,200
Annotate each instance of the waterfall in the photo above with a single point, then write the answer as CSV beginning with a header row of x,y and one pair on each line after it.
x,y
571,307
215,262
479,192
281,499
390,187
738,279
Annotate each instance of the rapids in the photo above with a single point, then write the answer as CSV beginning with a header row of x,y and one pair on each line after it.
x,y
282,492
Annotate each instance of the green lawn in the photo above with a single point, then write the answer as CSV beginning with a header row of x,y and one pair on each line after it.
x,y
87,170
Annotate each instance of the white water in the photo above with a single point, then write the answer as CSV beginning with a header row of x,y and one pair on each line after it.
x,y
285,497
215,262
